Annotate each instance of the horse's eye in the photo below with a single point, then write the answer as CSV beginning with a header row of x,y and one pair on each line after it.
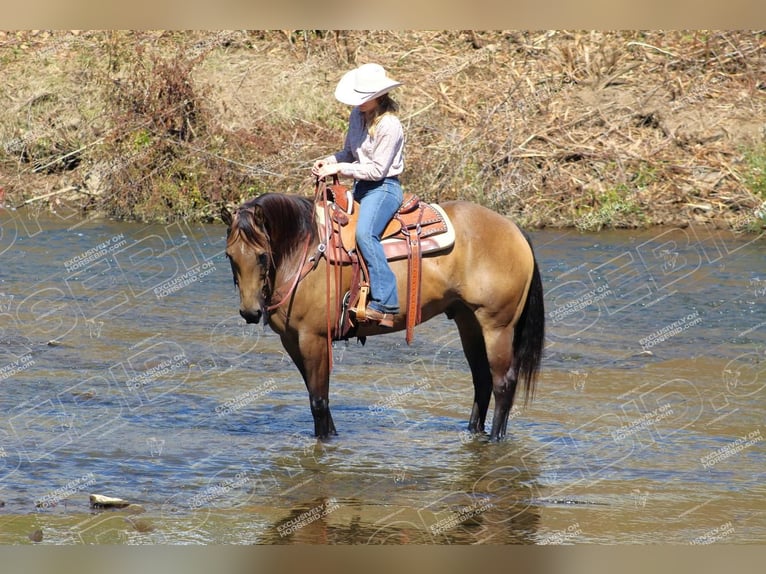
x,y
262,259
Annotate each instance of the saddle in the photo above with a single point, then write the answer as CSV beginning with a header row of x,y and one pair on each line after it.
x,y
416,228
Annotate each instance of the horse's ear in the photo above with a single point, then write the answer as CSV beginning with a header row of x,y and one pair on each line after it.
x,y
226,216
258,216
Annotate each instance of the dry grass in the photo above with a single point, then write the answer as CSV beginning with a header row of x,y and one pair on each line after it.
x,y
554,128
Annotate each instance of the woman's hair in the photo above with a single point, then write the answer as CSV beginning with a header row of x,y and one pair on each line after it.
x,y
386,104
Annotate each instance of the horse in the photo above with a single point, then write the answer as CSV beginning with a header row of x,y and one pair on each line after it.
x,y
488,283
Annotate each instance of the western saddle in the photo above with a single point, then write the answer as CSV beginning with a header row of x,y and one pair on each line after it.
x,y
416,228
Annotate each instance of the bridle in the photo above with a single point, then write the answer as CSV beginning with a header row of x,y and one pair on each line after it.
x,y
306,268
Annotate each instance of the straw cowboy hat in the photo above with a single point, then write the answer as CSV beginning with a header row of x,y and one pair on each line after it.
x,y
363,84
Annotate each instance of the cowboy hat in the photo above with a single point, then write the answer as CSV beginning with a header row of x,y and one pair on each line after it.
x,y
363,84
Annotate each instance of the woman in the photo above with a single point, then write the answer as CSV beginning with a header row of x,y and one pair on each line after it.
x,y
373,156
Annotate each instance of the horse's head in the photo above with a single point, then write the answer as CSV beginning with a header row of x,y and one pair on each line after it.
x,y
262,234
249,252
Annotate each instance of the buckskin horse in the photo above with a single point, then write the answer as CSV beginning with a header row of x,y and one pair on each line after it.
x,y
488,282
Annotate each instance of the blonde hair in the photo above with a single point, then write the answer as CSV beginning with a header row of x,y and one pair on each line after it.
x,y
386,105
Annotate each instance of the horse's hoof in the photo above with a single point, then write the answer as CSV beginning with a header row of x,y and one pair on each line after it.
x,y
496,438
326,437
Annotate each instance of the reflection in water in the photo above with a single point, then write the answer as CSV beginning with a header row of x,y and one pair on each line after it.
x,y
121,375
489,499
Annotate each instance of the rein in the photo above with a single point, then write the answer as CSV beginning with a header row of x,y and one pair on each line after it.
x,y
321,195
307,266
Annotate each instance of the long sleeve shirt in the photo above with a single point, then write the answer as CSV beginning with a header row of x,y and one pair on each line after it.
x,y
371,157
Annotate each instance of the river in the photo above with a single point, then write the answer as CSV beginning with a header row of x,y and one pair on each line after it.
x,y
126,371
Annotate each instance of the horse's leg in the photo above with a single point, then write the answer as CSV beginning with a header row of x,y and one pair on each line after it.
x,y
310,355
499,343
475,351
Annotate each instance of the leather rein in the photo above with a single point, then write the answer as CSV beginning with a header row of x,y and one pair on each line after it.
x,y
305,269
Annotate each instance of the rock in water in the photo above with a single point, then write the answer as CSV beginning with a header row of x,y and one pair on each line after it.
x,y
101,501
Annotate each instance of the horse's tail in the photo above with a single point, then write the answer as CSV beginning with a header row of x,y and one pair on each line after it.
x,y
529,334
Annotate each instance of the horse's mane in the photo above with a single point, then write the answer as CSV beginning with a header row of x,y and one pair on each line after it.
x,y
274,221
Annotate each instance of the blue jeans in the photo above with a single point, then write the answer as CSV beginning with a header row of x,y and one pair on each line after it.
x,y
378,202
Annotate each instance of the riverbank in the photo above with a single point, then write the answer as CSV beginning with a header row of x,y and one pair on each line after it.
x,y
589,130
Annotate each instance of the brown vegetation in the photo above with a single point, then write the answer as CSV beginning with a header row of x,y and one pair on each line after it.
x,y
556,128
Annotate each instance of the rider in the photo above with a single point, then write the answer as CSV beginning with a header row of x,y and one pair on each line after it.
x,y
373,156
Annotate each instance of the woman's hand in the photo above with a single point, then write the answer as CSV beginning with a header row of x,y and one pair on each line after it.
x,y
322,169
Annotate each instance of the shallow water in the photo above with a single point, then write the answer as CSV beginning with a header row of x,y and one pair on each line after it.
x,y
125,370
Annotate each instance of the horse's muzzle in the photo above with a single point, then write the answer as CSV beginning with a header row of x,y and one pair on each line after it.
x,y
251,316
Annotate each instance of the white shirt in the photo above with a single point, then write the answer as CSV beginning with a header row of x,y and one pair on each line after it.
x,y
371,157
